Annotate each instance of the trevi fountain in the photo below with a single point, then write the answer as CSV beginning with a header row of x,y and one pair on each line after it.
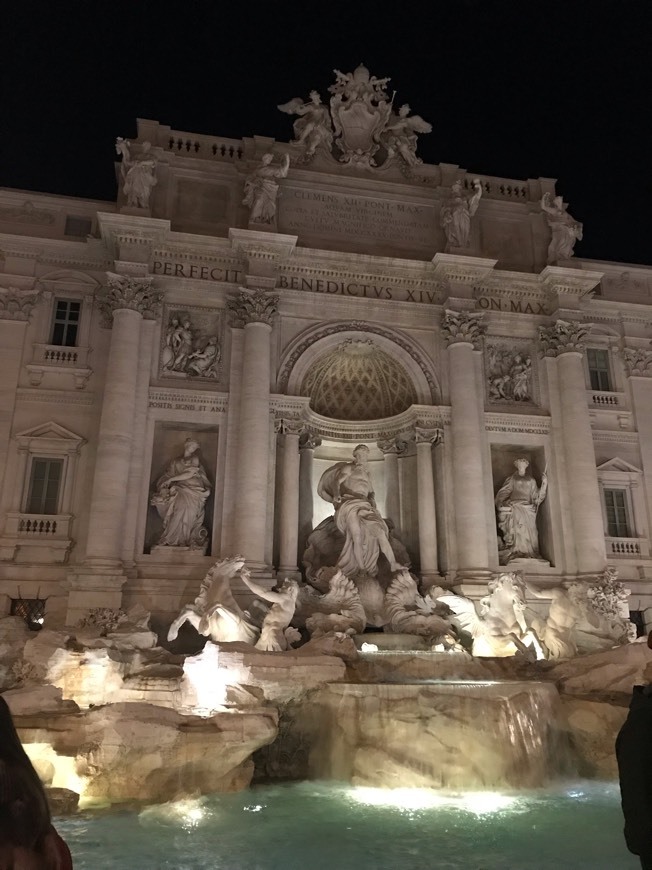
x,y
325,555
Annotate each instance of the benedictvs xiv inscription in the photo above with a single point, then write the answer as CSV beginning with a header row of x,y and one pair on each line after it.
x,y
355,288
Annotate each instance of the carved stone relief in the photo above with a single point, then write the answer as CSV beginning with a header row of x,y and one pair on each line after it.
x,y
191,344
508,374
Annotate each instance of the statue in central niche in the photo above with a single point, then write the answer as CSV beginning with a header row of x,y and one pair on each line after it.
x,y
348,486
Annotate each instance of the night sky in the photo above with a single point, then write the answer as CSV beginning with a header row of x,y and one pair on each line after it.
x,y
520,88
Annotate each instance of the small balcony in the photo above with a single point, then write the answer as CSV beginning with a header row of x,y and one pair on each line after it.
x,y
43,538
52,358
627,548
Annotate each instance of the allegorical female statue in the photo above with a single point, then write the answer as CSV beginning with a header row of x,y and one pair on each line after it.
x,y
456,214
261,189
139,176
517,503
180,499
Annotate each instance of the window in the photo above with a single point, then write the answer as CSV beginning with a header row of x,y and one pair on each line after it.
x,y
44,485
598,361
66,322
617,515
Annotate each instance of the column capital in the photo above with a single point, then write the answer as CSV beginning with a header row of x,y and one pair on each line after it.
x,y
638,361
397,446
16,303
466,327
252,306
288,426
564,336
309,441
427,436
129,292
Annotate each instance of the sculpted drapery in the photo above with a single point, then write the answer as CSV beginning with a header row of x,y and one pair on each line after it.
x,y
180,499
517,503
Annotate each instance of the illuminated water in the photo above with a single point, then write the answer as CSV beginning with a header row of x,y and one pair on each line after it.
x,y
315,826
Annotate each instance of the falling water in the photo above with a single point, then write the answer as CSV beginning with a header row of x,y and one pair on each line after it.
x,y
426,734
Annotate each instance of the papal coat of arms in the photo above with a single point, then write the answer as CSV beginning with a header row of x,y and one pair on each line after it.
x,y
362,128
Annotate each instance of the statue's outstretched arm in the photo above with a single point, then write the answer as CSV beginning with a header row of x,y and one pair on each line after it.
x,y
268,595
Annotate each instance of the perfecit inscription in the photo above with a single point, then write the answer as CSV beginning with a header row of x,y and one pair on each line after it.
x,y
344,216
193,270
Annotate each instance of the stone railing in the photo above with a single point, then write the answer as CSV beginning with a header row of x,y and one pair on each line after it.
x,y
632,548
39,526
203,147
54,355
604,399
502,188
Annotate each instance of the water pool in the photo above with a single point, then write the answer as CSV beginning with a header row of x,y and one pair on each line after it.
x,y
321,826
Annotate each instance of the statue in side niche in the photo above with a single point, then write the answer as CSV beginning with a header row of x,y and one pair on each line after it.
x,y
261,189
565,229
276,634
456,214
498,627
180,500
400,135
517,504
139,175
313,128
215,612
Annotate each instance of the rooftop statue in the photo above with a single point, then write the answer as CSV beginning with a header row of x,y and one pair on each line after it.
x,y
261,189
400,136
359,128
313,128
565,229
456,214
139,175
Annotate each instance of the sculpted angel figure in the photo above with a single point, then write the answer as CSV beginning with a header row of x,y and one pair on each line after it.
x,y
517,503
313,128
215,612
565,229
400,137
180,498
138,176
457,212
261,189
275,634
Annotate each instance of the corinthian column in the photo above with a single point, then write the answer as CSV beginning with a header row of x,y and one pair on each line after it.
x,y
425,438
123,302
308,443
98,582
564,342
253,310
289,506
392,448
463,331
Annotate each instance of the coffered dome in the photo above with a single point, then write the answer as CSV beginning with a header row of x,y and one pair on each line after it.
x,y
358,381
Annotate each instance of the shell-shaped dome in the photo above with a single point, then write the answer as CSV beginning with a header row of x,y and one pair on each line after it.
x,y
358,381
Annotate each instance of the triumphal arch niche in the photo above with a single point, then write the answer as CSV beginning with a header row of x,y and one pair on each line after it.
x,y
367,492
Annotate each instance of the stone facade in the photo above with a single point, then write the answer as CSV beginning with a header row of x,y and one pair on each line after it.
x,y
277,347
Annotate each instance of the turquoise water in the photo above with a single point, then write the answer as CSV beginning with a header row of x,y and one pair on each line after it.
x,y
319,826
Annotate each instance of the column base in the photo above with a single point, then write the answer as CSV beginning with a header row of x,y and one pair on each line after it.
x,y
293,573
431,578
89,588
473,576
178,554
